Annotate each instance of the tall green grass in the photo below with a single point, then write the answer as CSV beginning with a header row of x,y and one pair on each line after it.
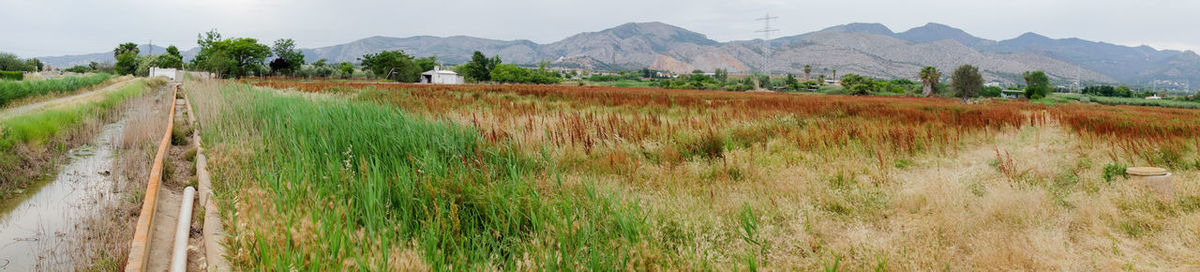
x,y
13,90
371,179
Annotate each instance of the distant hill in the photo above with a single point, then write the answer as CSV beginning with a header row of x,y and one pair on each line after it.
x,y
862,48
102,57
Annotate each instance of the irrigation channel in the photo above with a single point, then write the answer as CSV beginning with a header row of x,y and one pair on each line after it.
x,y
44,228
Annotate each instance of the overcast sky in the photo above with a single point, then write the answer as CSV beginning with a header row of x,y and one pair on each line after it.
x,y
59,27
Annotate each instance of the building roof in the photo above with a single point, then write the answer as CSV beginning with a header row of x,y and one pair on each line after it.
x,y
444,72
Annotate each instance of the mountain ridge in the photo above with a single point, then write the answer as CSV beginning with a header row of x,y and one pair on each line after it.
x,y
663,46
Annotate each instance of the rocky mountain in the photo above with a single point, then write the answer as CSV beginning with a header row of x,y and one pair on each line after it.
x,y
869,49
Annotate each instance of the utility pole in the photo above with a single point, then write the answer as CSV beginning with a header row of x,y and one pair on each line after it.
x,y
766,31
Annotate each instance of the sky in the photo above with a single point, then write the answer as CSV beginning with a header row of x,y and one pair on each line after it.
x,y
64,27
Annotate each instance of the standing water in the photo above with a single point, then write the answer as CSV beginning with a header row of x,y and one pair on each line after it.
x,y
35,229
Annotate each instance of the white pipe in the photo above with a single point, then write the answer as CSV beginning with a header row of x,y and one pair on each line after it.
x,y
179,254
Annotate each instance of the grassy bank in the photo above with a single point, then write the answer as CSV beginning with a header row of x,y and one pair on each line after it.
x,y
319,182
15,90
32,142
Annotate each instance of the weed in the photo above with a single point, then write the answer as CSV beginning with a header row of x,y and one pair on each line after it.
x,y
1114,170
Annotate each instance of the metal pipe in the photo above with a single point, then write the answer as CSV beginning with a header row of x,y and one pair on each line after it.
x,y
179,254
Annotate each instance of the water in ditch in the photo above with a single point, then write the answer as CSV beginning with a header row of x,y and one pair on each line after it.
x,y
36,228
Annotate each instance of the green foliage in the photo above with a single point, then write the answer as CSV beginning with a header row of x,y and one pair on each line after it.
x,y
288,60
346,69
180,134
36,63
1113,170
13,90
392,65
42,125
235,57
161,61
929,78
1037,85
991,91
127,63
790,82
10,62
510,73
12,75
426,63
721,74
372,178
480,67
174,51
126,48
1110,91
858,85
966,82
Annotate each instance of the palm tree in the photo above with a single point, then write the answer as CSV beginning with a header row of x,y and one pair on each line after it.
x,y
125,47
807,71
835,74
929,75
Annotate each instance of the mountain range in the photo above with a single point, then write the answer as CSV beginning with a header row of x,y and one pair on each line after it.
x,y
861,48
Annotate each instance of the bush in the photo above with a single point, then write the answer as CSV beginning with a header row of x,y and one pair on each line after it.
x,y
1114,170
12,75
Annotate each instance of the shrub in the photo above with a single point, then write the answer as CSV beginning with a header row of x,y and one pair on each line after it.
x,y
1114,170
12,75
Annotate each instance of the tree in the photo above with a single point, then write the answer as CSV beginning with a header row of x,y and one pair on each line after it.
x,y
790,82
167,61
1037,85
347,69
858,85
288,59
209,58
966,82
78,69
174,51
127,63
510,73
807,72
36,63
10,62
929,76
236,57
392,65
125,48
426,63
835,73
480,67
721,74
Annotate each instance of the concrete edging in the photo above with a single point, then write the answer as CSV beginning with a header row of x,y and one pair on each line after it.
x,y
140,246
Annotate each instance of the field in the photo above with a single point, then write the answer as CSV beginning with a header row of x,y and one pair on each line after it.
x,y
356,175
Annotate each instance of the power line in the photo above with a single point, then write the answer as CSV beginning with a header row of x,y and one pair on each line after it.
x,y
766,31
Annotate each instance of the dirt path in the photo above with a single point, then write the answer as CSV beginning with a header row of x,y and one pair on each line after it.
x,y
69,100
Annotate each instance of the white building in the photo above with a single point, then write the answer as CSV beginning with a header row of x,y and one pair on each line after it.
x,y
439,76
172,73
